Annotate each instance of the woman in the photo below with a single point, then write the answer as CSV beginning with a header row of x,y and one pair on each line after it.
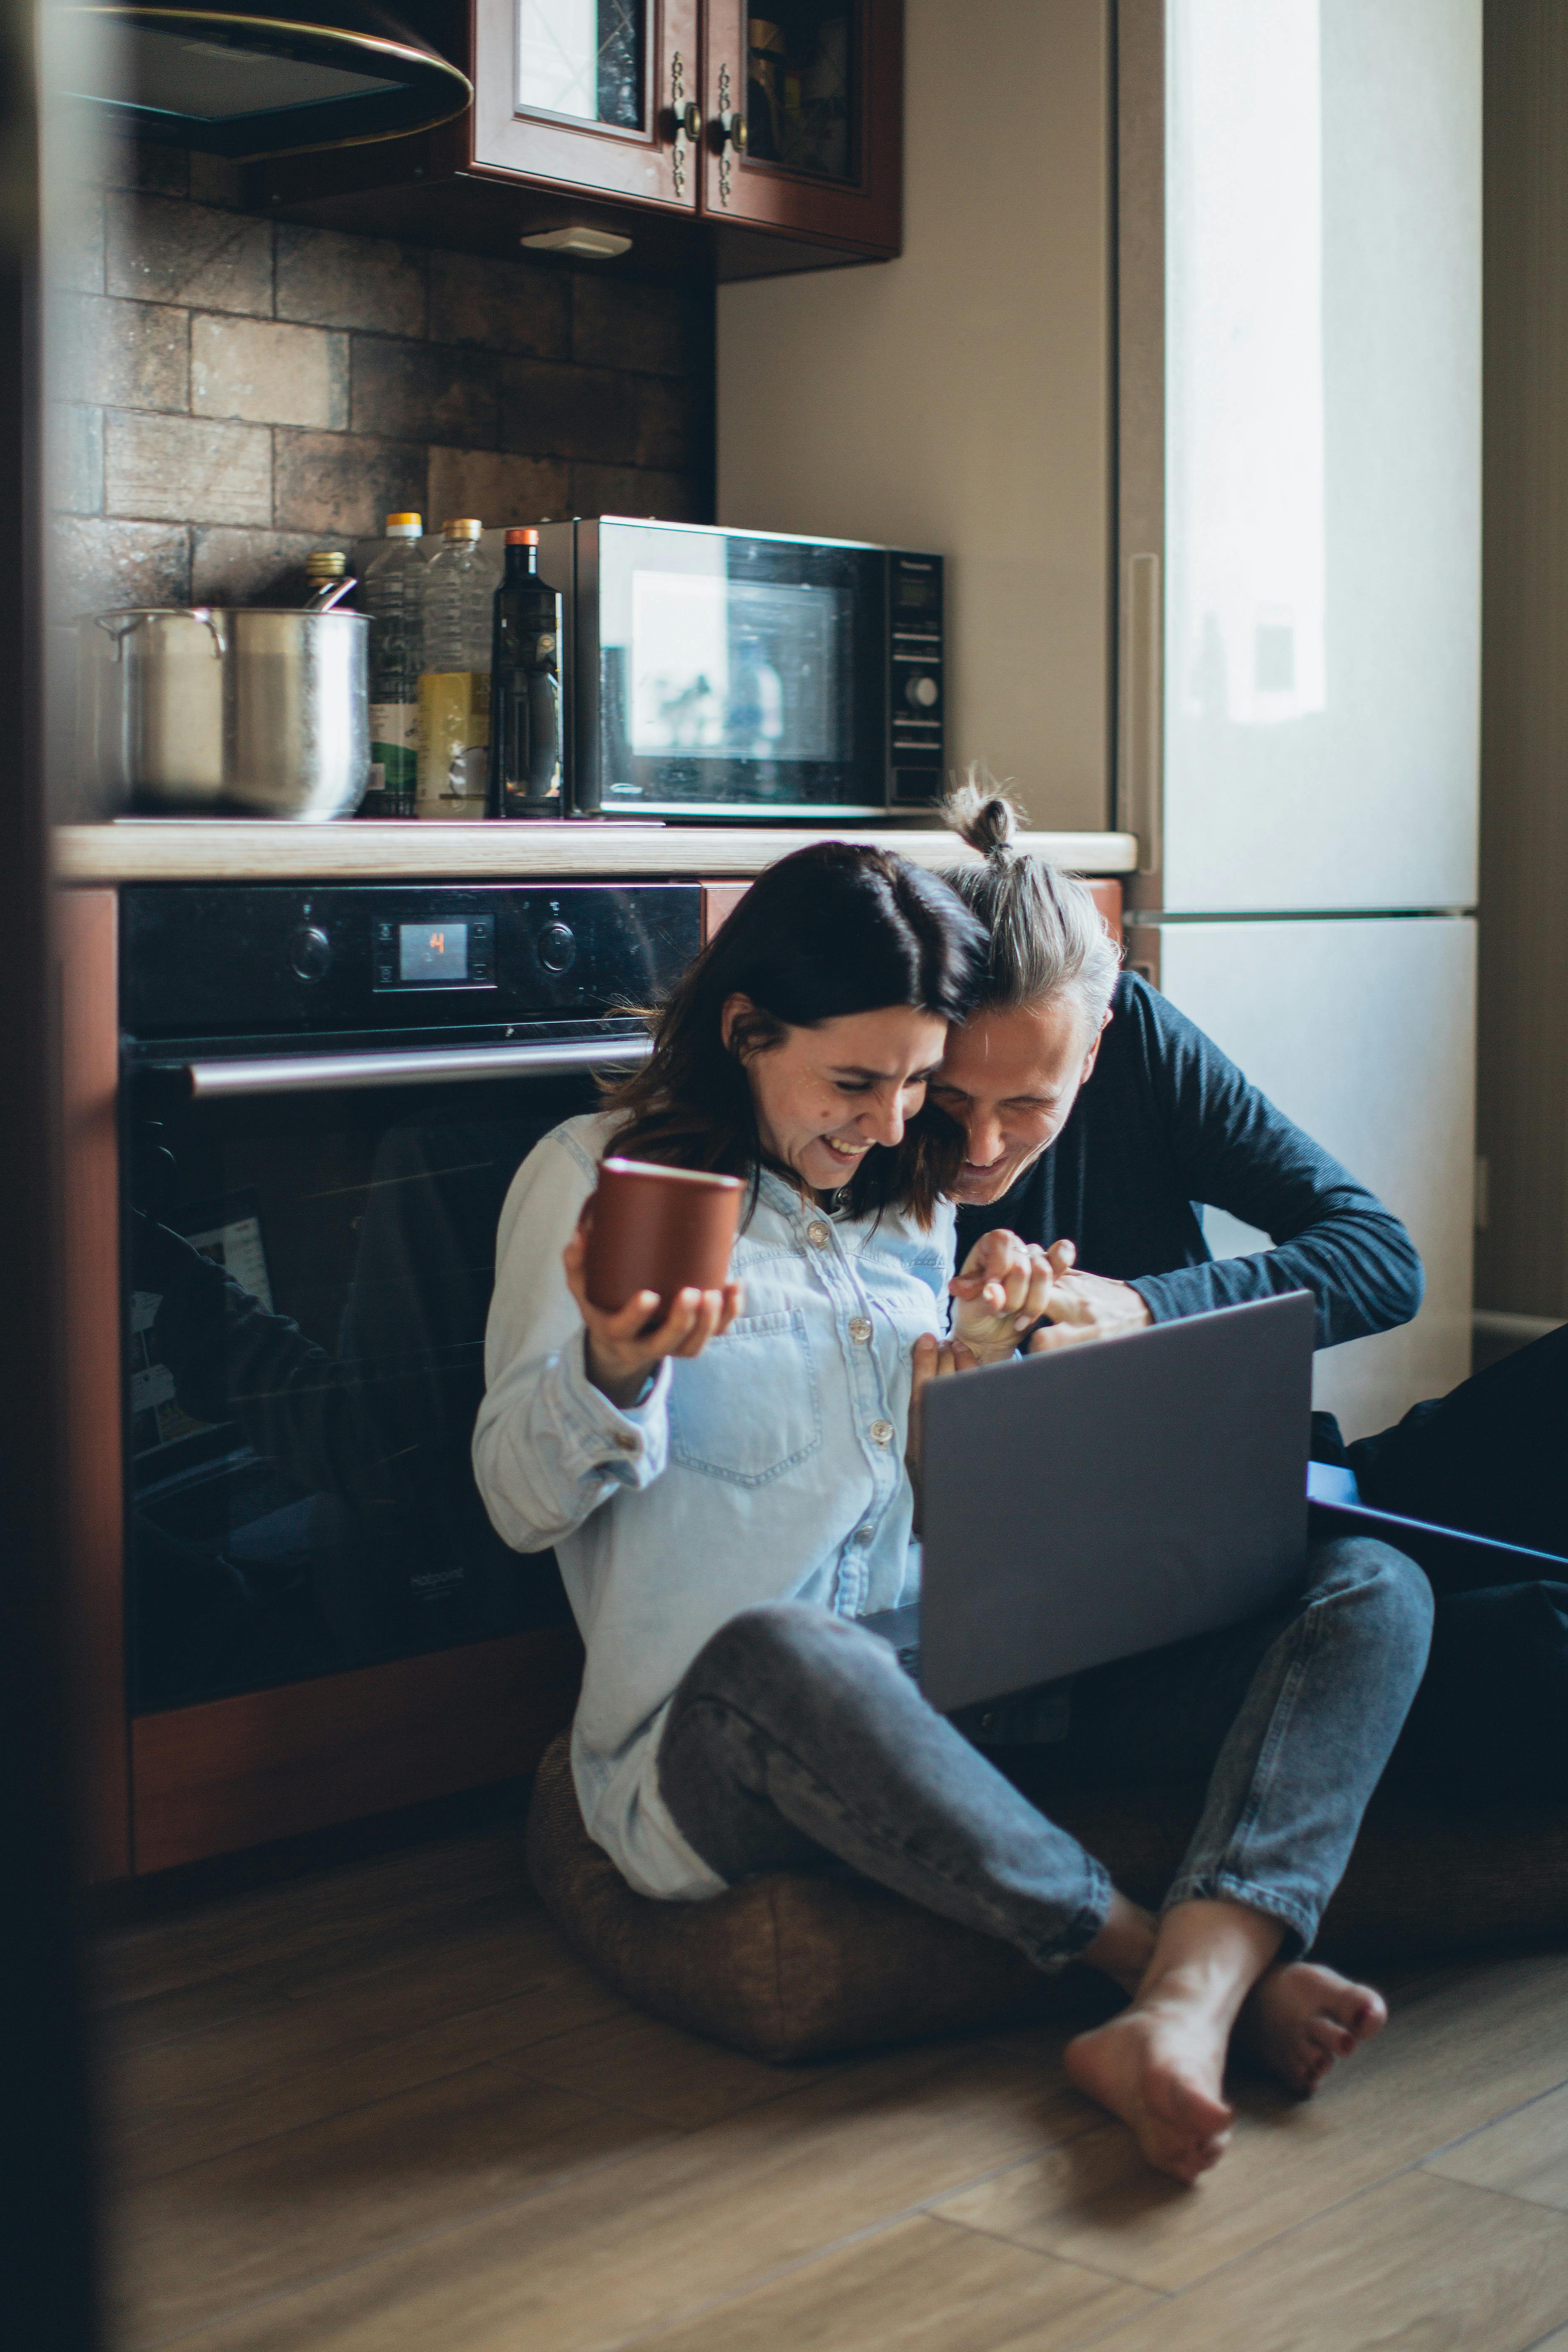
x,y
727,1494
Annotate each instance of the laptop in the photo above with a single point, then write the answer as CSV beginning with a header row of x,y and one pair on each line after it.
x,y
1098,1501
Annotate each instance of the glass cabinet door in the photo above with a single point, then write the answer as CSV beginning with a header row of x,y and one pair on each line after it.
x,y
600,94
804,101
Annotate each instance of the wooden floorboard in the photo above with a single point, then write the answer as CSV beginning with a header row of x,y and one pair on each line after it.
x,y
382,2109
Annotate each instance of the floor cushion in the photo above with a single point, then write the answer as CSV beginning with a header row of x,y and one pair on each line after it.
x,y
795,1965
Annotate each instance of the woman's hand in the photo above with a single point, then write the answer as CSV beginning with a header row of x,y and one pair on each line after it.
x,y
935,1359
1087,1306
1006,1286
625,1348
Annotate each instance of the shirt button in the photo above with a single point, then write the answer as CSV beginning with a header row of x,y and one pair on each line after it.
x,y
627,1443
860,1328
862,1535
817,1235
881,1432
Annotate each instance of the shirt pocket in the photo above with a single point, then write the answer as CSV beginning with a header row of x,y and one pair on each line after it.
x,y
748,1408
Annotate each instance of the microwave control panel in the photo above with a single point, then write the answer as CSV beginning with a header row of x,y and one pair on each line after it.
x,y
916,692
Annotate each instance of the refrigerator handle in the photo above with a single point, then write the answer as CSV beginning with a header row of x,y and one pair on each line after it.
x,y
1142,710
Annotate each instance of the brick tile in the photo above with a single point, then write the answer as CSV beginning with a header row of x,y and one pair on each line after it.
x,y
675,432
75,450
548,411
73,238
330,482
141,163
330,280
631,491
99,565
254,567
424,392
502,489
186,468
215,180
120,354
163,251
272,374
507,305
655,329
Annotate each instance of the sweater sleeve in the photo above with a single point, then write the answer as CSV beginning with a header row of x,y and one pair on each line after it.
x,y
1235,1150
548,1447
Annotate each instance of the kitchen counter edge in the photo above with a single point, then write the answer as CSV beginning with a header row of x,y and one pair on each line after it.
x,y
236,850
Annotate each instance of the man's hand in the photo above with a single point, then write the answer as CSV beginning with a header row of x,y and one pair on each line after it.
x,y
1006,1286
1086,1306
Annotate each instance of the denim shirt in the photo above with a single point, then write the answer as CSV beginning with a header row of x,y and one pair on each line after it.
x,y
771,1467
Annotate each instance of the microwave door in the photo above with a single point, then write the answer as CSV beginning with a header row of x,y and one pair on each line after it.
x,y
738,675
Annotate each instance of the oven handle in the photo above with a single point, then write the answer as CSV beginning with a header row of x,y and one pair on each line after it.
x,y
298,1074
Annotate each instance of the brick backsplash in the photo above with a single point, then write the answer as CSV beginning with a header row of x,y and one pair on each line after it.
x,y
229,392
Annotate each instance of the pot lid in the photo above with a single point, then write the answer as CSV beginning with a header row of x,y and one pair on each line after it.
x,y
253,79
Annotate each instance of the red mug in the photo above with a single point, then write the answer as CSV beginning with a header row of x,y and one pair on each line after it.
x,y
660,1229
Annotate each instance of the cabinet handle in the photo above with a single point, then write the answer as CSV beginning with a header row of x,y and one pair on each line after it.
x,y
688,122
729,135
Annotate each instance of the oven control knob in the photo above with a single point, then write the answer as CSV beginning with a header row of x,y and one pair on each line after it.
x,y
310,953
922,692
557,947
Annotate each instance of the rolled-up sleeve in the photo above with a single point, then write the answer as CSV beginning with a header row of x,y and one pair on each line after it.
x,y
549,1447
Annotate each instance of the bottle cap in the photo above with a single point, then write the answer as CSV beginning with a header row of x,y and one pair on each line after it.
x,y
405,526
465,527
522,538
325,563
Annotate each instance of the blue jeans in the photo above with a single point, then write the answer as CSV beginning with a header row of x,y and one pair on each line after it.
x,y
795,1739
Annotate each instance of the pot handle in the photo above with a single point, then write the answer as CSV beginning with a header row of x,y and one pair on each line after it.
x,y
203,613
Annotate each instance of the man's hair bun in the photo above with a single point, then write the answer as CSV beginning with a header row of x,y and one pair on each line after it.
x,y
979,812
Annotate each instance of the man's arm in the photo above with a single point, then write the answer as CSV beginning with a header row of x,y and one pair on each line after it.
x,y
1235,1150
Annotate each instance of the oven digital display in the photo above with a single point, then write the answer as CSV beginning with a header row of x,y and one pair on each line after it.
x,y
432,952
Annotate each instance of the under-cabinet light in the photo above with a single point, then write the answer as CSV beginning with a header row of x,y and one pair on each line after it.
x,y
594,244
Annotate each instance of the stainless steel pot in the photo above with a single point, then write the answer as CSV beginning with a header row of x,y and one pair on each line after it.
x,y
232,711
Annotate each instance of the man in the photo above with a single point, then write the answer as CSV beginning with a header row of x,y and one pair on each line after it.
x,y
1097,1114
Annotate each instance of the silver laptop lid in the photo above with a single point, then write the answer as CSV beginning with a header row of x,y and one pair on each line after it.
x,y
1109,1499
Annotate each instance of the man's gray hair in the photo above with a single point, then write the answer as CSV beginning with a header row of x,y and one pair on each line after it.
x,y
1047,935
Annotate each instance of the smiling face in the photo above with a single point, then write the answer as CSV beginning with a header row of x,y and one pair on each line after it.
x,y
825,1097
1010,1079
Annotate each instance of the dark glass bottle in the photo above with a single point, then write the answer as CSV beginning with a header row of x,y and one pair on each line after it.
x,y
526,741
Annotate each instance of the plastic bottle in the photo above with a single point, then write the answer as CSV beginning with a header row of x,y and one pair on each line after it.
x,y
391,592
454,677
525,688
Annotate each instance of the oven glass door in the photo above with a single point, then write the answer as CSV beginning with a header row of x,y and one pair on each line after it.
x,y
307,1276
739,672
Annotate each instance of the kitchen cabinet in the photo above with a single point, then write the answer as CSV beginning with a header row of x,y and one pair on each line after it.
x,y
722,141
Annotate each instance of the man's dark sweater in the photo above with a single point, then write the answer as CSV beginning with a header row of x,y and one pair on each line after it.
x,y
1166,1124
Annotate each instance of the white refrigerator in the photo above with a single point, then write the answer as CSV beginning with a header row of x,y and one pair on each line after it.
x,y
1297,397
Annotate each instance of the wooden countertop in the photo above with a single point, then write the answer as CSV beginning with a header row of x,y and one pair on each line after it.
x,y
160,849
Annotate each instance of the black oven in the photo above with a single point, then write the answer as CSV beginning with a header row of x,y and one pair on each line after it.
x,y
712,672
325,1095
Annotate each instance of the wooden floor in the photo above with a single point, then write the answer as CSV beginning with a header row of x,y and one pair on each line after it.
x,y
381,2108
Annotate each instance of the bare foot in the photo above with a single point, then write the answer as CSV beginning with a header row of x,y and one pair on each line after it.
x,y
1298,2020
1160,2068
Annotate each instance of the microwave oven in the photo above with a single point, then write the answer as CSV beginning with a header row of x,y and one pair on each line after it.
x,y
710,674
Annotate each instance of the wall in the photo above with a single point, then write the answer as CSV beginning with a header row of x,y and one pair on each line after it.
x,y
229,392
1522,1252
959,398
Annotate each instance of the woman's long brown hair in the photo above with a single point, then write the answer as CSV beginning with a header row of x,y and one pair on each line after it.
x,y
836,929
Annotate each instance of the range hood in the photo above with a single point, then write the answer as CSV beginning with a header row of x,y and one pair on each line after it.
x,y
255,80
